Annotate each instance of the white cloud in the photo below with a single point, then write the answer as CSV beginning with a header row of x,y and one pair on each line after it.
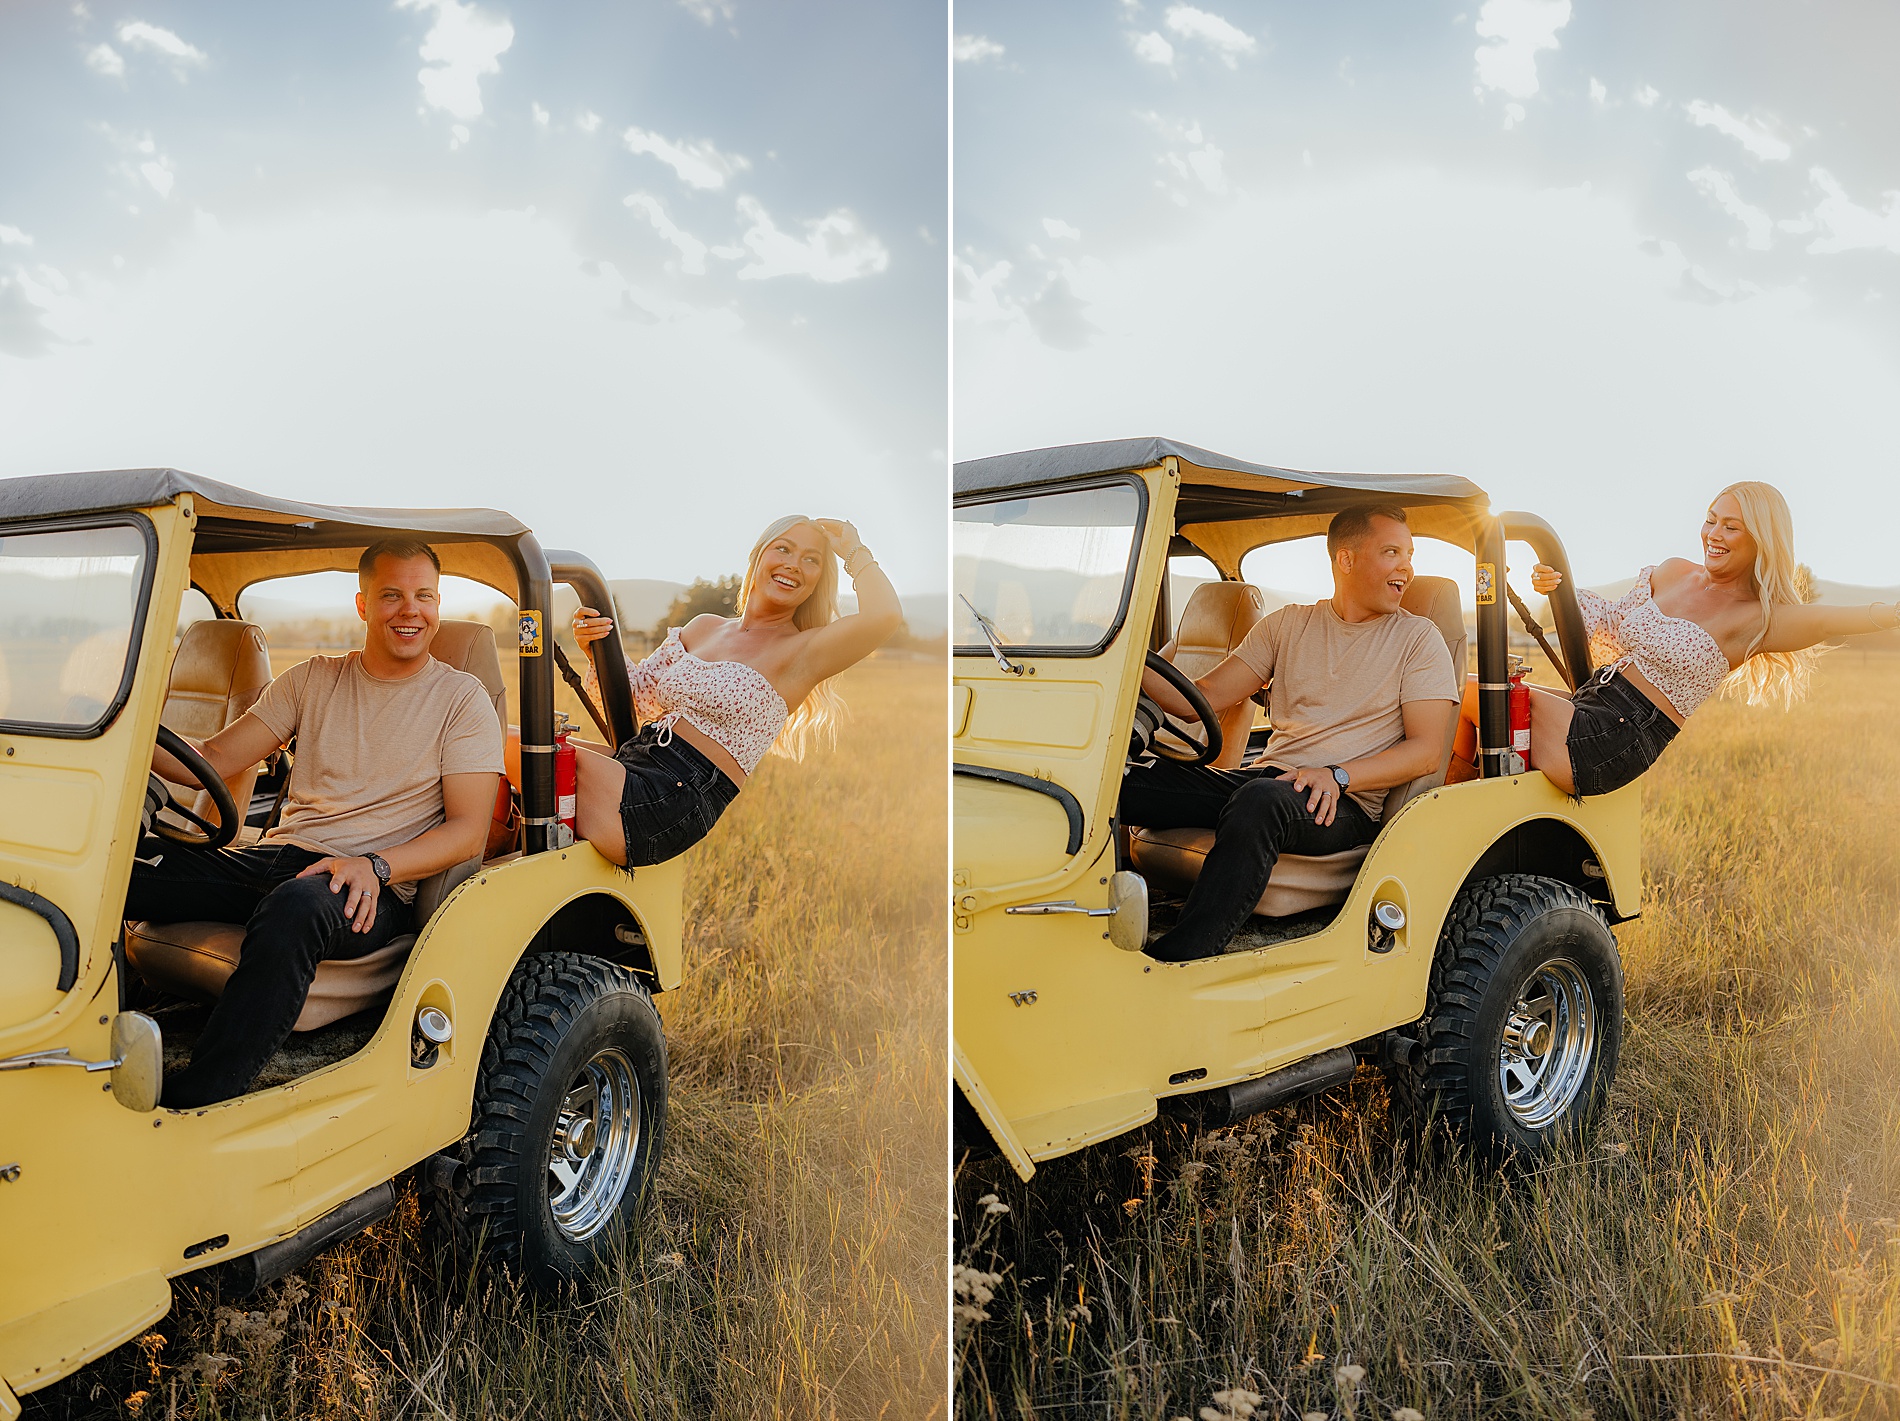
x,y
1205,165
1647,95
13,237
104,59
460,48
836,247
139,35
699,165
540,114
710,12
1171,129
1518,30
1720,188
1598,94
588,122
692,251
974,49
980,298
1054,226
158,172
1846,226
458,135
1752,136
1153,48
1227,40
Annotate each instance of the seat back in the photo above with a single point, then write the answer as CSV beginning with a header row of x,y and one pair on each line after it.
x,y
470,647
1435,598
220,670
1217,618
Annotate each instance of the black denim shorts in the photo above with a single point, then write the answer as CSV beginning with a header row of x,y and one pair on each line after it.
x,y
1616,732
672,797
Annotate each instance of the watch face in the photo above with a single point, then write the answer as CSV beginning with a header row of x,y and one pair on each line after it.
x,y
1343,778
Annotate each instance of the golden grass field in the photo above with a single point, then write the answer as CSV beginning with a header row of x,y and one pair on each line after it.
x,y
1728,1245
793,1262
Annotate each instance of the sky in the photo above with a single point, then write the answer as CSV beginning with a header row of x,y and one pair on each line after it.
x,y
646,276
1600,258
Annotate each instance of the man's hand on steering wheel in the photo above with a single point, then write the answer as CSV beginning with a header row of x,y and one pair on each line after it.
x,y
215,836
1183,685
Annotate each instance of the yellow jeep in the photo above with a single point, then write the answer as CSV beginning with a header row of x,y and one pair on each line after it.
x,y
1467,950
511,1048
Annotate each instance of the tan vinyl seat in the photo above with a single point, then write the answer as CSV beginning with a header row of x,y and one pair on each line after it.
x,y
1174,857
196,959
221,668
1217,618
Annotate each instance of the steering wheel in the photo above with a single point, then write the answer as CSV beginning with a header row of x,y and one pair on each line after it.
x,y
215,836
1189,751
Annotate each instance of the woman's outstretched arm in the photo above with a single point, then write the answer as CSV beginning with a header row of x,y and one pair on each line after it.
x,y
1796,628
849,640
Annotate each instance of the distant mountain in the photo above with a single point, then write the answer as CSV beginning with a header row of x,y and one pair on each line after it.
x,y
643,600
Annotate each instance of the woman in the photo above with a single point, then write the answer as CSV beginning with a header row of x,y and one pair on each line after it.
x,y
1680,634
722,691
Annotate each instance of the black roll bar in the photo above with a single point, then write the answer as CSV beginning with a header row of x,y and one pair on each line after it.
x,y
1494,664
537,695
1572,635
577,570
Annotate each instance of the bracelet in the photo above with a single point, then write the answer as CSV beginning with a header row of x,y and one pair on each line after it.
x,y
1893,607
868,560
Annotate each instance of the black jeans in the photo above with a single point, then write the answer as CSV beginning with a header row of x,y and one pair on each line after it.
x,y
291,924
671,798
1616,733
1255,818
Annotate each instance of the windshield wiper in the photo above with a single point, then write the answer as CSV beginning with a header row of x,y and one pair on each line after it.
x,y
988,628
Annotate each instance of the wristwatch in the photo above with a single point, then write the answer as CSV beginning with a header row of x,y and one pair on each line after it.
x,y
1345,780
379,866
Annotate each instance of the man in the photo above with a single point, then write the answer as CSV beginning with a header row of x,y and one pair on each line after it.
x,y
1361,695
395,779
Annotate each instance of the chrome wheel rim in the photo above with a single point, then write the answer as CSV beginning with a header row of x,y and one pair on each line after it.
x,y
1550,1041
595,1147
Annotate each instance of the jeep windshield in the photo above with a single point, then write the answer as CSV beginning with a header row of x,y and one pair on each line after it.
x,y
1049,572
71,603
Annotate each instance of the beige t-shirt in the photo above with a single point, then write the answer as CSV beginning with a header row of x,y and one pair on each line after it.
x,y
371,753
1334,687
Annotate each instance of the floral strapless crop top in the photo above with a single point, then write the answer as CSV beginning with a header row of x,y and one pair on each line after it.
x,y
1677,656
730,701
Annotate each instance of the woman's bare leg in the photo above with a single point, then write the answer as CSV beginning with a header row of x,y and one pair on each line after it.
x,y
1550,731
598,780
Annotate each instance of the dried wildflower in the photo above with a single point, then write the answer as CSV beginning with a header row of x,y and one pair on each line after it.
x,y
974,1290
1129,1206
1617,1148
1349,1375
135,1403
1714,1298
674,1261
1314,1416
1234,1404
1407,1413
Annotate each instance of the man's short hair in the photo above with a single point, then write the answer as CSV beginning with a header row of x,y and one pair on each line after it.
x,y
1349,525
401,549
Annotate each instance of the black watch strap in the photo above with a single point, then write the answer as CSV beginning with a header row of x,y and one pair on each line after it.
x,y
380,867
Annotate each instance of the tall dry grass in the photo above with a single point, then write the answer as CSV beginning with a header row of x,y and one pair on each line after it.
x,y
1727,1246
793,1262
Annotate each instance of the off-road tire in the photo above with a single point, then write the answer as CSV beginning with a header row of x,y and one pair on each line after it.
x,y
560,1012
1506,938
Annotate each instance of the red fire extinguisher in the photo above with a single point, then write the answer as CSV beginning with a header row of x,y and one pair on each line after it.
x,y
1520,757
564,776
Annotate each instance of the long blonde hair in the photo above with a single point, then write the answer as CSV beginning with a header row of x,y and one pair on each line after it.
x,y
1780,581
816,716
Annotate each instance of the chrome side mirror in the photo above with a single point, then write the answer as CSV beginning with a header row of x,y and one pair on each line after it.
x,y
1128,899
138,1048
